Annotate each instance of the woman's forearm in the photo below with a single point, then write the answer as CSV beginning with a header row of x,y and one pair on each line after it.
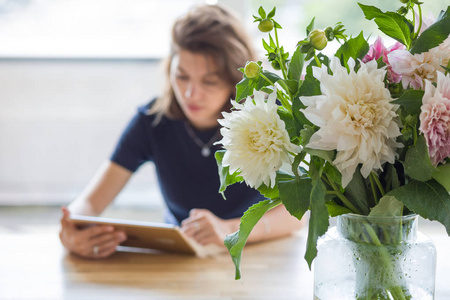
x,y
275,223
101,191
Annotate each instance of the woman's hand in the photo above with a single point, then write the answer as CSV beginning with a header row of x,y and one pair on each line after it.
x,y
93,242
206,228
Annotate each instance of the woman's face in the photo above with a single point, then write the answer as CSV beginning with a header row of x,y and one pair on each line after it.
x,y
199,89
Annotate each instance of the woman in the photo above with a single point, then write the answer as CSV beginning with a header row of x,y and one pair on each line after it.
x,y
177,132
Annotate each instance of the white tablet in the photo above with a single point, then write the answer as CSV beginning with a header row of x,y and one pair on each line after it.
x,y
159,236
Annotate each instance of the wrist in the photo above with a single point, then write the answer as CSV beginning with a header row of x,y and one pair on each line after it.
x,y
233,225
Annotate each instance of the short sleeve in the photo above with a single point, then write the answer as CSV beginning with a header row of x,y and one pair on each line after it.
x,y
133,148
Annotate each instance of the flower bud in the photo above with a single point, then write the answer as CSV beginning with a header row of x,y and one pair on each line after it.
x,y
404,1
272,56
394,89
275,65
329,33
318,39
252,69
402,10
265,25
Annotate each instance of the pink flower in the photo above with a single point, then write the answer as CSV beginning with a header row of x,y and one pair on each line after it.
x,y
415,68
435,118
378,50
426,22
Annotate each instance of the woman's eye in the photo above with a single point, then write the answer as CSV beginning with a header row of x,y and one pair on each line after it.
x,y
182,77
211,82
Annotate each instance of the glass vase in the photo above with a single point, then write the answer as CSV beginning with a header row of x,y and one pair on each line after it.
x,y
368,258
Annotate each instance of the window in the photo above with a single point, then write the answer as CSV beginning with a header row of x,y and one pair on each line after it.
x,y
85,28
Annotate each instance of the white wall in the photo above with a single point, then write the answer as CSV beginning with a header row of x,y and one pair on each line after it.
x,y
60,119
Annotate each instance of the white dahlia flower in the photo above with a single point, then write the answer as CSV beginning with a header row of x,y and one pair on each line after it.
x,y
355,116
256,141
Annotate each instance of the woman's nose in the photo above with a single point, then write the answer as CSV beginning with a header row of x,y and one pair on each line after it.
x,y
192,90
188,91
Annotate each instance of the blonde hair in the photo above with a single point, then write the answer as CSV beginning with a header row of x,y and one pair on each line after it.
x,y
214,31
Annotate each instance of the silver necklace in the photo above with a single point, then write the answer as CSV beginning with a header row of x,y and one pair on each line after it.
x,y
206,151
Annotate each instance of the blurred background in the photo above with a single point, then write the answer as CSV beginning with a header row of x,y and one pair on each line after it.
x,y
72,73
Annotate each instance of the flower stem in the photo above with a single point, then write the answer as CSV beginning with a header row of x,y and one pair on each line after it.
x,y
298,159
282,64
377,180
286,88
396,289
374,192
420,22
415,134
324,178
280,95
346,202
266,79
341,196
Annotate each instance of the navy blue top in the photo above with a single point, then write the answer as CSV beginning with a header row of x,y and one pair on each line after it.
x,y
187,179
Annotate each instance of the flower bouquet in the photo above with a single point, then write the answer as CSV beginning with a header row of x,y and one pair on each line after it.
x,y
364,132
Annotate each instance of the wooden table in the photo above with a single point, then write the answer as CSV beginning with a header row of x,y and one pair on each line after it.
x,y
33,265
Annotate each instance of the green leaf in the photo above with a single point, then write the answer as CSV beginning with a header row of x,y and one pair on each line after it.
x,y
446,68
295,195
267,47
411,100
235,242
245,88
428,199
306,134
310,86
325,154
298,172
272,13
256,19
333,173
225,178
262,12
310,26
355,48
310,53
324,60
296,65
391,178
417,161
272,42
281,176
300,118
262,82
318,222
388,206
289,122
433,35
335,210
267,90
276,25
442,175
290,86
392,24
268,192
357,193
